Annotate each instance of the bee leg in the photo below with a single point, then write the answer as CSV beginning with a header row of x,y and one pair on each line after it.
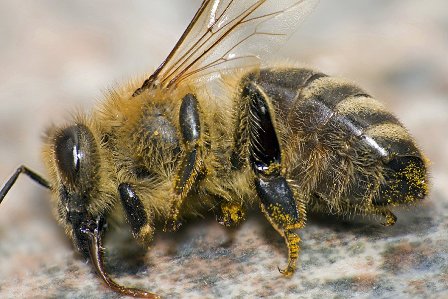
x,y
191,166
390,217
136,214
231,214
278,202
279,206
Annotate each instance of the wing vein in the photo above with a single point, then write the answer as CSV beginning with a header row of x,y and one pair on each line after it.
x,y
225,35
212,33
243,15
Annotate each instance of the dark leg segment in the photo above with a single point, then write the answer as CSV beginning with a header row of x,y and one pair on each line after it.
x,y
277,198
191,165
136,214
22,169
189,119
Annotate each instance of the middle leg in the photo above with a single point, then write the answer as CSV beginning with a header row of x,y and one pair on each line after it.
x,y
192,165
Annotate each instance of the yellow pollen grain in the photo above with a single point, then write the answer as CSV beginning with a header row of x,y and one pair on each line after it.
x,y
279,216
415,177
145,232
232,213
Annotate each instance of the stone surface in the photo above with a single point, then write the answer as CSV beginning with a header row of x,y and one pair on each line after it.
x,y
59,56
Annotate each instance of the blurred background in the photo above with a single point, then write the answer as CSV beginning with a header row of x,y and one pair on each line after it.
x,y
60,56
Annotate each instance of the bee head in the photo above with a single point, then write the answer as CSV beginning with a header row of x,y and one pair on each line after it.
x,y
83,192
405,181
73,163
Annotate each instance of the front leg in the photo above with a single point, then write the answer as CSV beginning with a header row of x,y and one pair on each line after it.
x,y
278,201
135,212
192,165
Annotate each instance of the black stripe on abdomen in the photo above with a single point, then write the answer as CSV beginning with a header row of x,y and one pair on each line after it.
x,y
316,105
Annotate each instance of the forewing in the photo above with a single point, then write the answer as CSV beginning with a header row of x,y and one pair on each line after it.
x,y
229,34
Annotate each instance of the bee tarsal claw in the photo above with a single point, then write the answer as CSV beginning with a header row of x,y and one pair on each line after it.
x,y
288,271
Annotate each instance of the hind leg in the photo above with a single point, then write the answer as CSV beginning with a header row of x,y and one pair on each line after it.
x,y
278,202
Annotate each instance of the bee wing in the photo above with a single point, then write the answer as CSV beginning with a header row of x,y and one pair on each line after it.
x,y
228,34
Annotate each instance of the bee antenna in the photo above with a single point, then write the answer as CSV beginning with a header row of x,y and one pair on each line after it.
x,y
23,169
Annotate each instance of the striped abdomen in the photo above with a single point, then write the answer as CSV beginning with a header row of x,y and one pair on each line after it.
x,y
344,149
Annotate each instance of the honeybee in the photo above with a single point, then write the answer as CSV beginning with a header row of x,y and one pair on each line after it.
x,y
216,128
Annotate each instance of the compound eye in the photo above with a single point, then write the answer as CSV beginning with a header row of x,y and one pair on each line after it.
x,y
69,153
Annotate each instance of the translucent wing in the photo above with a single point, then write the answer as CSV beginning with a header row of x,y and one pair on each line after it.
x,y
228,34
